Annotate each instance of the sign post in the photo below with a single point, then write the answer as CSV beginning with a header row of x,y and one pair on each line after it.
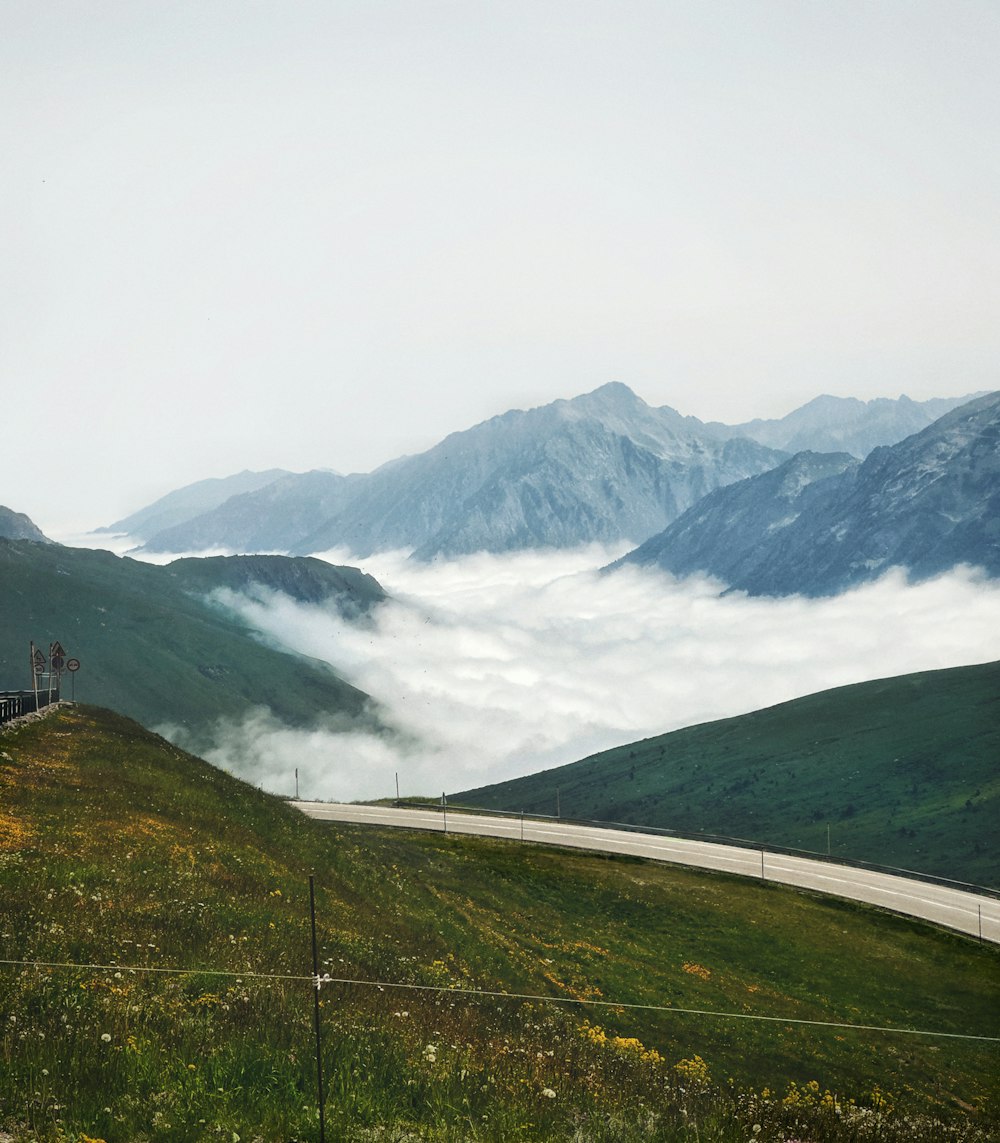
x,y
57,661
72,665
37,669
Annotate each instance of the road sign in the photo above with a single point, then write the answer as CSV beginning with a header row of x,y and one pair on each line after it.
x,y
72,664
56,649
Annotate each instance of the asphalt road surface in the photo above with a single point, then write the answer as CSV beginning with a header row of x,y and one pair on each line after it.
x,y
968,912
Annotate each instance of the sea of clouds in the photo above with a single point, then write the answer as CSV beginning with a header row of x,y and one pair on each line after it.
x,y
490,667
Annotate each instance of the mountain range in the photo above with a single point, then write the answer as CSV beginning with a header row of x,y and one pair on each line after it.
x,y
601,467
607,467
821,523
845,424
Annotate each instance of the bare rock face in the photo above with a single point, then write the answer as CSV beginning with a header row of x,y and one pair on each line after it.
x,y
18,526
820,524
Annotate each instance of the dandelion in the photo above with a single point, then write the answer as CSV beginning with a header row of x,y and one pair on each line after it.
x,y
548,1093
106,1037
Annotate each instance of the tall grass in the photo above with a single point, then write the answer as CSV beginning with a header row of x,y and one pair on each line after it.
x,y
118,850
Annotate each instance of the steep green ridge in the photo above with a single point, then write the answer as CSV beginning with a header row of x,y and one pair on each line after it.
x,y
149,647
303,578
903,771
119,850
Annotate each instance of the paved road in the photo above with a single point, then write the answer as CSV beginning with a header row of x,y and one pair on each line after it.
x,y
954,908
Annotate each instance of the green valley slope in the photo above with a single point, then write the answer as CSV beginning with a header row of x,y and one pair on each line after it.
x,y
150,646
119,850
901,771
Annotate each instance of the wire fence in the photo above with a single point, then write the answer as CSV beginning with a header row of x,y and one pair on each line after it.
x,y
318,981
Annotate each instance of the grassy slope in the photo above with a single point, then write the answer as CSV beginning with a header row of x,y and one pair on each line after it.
x,y
118,849
146,646
903,770
304,578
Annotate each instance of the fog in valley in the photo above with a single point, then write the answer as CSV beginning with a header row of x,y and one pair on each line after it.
x,y
491,667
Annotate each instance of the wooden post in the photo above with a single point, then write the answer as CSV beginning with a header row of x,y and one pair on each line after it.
x,y
319,1041
34,676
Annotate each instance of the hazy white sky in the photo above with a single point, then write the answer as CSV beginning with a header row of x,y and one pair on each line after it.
x,y
322,233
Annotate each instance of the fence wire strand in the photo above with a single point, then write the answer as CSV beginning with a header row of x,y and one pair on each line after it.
x,y
472,993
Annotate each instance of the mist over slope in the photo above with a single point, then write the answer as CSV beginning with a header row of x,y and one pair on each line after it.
x,y
301,578
153,648
494,667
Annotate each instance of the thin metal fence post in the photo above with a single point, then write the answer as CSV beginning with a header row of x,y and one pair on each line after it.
x,y
316,986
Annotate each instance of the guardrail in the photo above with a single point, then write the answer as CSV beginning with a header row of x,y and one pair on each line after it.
x,y
721,839
13,704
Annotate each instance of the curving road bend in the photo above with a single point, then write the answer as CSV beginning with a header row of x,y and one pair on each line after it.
x,y
959,909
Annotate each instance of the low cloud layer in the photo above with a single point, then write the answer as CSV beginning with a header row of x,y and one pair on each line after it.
x,y
497,666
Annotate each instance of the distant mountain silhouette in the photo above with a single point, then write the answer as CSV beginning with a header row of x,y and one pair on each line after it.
x,y
819,524
605,466
845,424
192,500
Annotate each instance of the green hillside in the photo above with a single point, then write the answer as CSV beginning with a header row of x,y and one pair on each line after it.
x,y
148,647
180,895
901,771
303,578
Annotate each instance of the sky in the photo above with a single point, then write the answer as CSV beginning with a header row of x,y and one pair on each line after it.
x,y
325,233
490,666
